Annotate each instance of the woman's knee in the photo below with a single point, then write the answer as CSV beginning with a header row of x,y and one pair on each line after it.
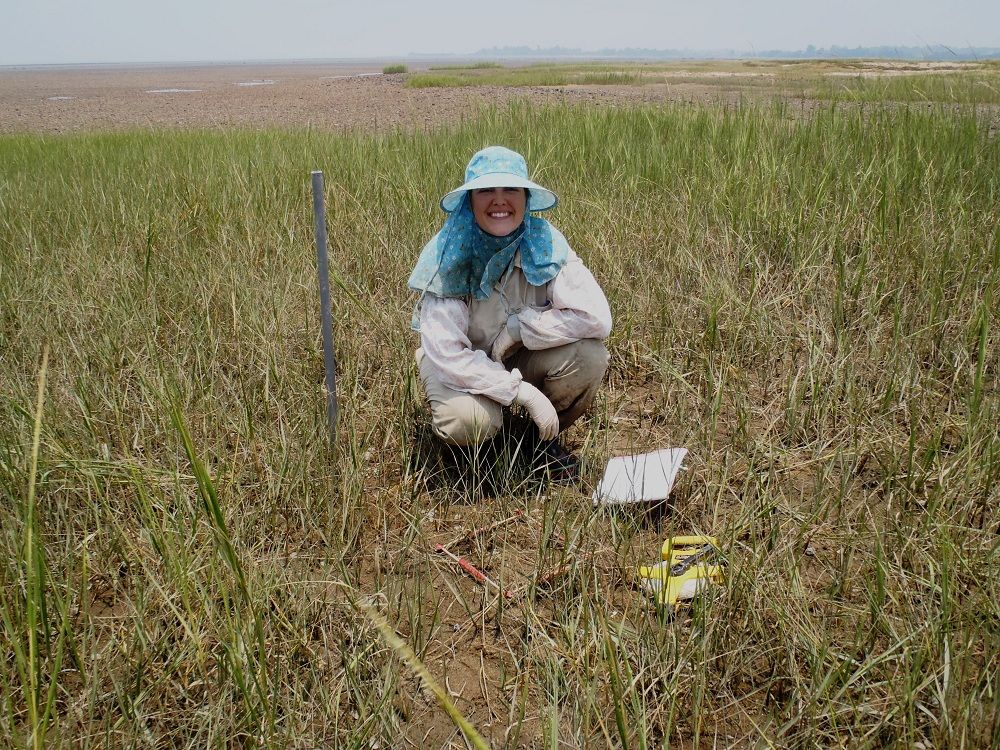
x,y
573,381
581,363
592,358
466,420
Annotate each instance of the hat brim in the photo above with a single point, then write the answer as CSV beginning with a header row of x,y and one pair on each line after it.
x,y
539,198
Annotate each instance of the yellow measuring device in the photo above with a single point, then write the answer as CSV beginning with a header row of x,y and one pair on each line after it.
x,y
690,564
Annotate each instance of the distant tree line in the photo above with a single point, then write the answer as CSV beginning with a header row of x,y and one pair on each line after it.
x,y
925,52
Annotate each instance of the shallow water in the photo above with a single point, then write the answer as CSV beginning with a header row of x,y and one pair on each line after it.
x,y
353,75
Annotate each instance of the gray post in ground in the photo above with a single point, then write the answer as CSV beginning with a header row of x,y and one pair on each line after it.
x,y
323,268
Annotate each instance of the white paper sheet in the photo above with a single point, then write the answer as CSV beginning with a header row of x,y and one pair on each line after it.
x,y
641,478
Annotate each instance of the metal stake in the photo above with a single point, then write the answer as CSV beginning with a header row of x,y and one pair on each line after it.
x,y
319,213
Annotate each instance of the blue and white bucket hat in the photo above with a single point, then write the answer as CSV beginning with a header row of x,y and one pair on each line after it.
x,y
496,166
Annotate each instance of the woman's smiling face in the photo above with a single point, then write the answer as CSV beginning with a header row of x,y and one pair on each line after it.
x,y
499,211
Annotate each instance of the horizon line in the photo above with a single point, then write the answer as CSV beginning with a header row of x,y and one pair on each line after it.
x,y
513,52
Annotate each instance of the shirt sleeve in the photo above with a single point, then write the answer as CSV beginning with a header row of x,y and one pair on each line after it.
x,y
444,327
578,310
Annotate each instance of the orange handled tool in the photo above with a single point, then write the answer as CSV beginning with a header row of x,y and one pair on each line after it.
x,y
465,565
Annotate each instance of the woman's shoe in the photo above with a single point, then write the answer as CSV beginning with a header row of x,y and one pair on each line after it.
x,y
560,465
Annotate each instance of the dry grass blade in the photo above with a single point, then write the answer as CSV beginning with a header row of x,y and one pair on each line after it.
x,y
413,661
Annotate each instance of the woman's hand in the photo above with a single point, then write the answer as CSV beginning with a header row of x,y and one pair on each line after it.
x,y
507,341
539,408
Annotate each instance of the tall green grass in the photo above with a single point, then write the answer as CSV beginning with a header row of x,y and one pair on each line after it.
x,y
809,305
949,88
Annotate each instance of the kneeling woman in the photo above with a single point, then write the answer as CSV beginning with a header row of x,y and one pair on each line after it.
x,y
508,313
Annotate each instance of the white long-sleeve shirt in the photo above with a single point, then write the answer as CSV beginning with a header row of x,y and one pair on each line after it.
x,y
456,335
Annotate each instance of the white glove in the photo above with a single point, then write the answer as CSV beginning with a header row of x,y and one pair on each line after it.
x,y
539,408
507,341
504,346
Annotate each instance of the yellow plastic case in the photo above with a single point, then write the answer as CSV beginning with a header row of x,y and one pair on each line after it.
x,y
670,588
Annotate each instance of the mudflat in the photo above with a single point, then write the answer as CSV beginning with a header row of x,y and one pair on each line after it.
x,y
328,96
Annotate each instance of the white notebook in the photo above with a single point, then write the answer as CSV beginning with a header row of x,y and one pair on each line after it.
x,y
641,478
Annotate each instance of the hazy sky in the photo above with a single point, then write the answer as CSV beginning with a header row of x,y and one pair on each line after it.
x,y
67,31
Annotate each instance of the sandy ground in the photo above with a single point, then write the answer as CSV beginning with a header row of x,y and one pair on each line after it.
x,y
326,96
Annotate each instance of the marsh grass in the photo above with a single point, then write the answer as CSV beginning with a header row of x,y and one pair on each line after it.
x,y
527,76
838,80
538,74
485,65
949,88
808,304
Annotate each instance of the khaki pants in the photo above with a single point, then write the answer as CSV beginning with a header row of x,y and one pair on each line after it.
x,y
568,375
